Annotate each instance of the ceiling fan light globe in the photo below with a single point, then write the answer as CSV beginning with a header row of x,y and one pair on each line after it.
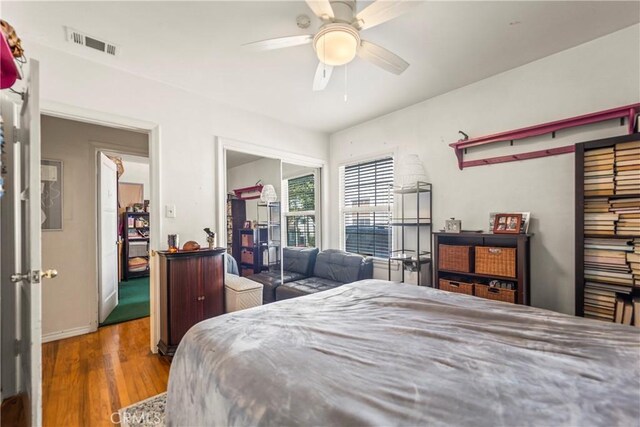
x,y
337,46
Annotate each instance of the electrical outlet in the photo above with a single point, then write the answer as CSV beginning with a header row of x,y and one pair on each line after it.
x,y
170,211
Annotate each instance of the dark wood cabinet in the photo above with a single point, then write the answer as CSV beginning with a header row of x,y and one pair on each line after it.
x,y
191,290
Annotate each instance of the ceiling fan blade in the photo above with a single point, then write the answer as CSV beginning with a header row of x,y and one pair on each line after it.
x,y
321,79
381,57
321,8
382,11
280,42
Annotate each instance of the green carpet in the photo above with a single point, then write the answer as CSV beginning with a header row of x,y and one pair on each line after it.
x,y
133,301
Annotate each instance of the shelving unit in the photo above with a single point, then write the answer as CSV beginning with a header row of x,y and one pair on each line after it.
x,y
251,261
601,283
136,243
411,258
270,247
236,216
520,242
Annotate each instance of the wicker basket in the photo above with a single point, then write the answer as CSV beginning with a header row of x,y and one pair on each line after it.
x,y
246,256
497,294
246,240
455,258
496,261
454,286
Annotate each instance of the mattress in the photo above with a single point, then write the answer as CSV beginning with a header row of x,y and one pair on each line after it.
x,y
382,353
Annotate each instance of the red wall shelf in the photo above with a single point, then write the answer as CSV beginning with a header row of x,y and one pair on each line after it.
x,y
628,111
248,193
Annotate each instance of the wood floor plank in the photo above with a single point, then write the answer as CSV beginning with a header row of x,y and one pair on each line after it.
x,y
87,378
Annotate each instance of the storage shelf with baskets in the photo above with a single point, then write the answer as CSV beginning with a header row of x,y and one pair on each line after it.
x,y
472,263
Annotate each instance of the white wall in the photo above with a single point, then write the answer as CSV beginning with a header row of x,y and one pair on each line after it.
x,y
137,172
601,74
267,170
188,124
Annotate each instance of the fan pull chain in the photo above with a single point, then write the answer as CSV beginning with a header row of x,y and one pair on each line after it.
x,y
345,83
324,60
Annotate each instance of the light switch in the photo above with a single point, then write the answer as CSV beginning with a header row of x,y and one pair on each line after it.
x,y
170,211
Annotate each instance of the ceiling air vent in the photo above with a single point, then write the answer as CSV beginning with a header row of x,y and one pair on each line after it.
x,y
76,37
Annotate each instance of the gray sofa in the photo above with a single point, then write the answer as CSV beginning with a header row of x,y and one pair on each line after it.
x,y
307,271
297,264
332,268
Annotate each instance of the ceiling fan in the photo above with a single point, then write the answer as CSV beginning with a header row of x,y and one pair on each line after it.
x,y
338,41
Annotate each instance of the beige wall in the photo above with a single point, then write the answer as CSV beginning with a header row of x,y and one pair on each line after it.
x,y
70,302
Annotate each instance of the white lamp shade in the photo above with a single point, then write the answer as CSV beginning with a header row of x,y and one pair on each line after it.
x,y
410,170
268,194
336,44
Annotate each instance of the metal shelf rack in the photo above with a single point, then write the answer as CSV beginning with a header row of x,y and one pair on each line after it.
x,y
411,258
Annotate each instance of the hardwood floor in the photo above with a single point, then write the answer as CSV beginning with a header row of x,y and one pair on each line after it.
x,y
87,378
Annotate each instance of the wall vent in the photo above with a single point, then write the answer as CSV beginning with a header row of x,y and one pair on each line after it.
x,y
76,37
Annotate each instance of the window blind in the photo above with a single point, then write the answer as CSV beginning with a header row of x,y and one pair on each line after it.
x,y
366,207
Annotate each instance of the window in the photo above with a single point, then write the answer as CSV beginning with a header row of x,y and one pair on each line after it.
x,y
366,207
301,211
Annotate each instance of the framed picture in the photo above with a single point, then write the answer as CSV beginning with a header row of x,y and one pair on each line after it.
x,y
507,223
247,225
51,187
524,227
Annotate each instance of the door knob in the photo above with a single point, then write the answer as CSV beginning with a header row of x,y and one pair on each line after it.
x,y
49,274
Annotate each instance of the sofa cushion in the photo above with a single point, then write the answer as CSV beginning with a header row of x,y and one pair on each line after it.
x,y
299,260
271,280
339,266
306,286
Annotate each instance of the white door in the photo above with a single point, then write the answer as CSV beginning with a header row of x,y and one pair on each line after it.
x,y
108,221
23,196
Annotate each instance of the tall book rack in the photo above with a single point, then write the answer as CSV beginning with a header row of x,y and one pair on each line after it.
x,y
607,262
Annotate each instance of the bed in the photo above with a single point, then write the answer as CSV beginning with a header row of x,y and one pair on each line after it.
x,y
381,353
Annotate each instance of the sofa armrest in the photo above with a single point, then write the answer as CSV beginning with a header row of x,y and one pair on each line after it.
x,y
366,269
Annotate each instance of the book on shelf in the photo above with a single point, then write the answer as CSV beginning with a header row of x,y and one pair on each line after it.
x,y
627,314
598,151
636,311
627,145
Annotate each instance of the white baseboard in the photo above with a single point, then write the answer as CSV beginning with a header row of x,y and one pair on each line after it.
x,y
67,333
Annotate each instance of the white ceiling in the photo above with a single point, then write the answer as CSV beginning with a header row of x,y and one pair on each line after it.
x,y
196,46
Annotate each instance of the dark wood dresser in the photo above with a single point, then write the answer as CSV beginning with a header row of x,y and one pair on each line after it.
x,y
191,290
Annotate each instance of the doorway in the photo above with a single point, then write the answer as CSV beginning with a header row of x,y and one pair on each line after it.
x,y
123,282
72,307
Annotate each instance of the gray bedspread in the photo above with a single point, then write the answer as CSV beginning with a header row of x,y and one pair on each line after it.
x,y
381,353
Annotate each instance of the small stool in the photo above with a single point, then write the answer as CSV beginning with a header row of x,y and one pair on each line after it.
x,y
241,293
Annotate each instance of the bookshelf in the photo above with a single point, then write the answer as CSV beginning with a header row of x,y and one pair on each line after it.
x,y
607,264
236,217
136,245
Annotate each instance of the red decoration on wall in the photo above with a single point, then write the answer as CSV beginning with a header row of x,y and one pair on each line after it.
x,y
627,112
249,193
